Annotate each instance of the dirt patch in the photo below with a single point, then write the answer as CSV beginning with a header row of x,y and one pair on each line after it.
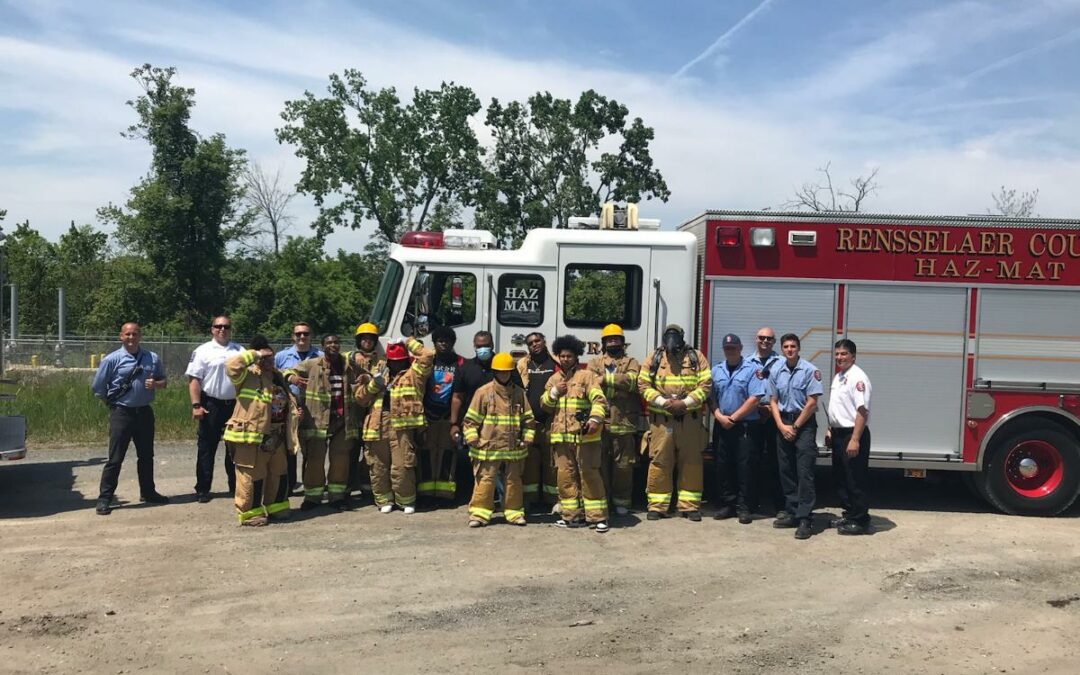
x,y
52,625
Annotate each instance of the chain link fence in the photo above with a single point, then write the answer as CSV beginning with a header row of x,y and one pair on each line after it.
x,y
84,352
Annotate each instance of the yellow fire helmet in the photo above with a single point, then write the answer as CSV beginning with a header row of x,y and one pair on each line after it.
x,y
502,361
612,330
367,329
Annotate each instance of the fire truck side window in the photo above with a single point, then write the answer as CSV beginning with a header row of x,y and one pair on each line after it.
x,y
441,298
597,295
521,300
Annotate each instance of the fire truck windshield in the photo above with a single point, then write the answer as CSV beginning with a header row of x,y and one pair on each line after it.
x,y
388,291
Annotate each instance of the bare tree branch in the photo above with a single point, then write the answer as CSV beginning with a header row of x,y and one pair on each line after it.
x,y
823,195
1008,203
268,202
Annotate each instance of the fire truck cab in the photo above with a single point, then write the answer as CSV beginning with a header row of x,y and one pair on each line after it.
x,y
966,327
612,269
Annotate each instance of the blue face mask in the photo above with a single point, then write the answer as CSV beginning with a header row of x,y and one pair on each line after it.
x,y
485,353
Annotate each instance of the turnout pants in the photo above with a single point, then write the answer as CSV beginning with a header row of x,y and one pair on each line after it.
x,y
262,484
127,425
316,477
581,481
541,485
482,503
796,460
675,448
211,427
438,459
850,473
392,464
620,454
736,465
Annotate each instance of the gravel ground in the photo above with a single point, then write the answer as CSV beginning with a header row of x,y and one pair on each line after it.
x,y
943,586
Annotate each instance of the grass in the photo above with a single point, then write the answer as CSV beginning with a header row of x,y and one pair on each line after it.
x,y
60,409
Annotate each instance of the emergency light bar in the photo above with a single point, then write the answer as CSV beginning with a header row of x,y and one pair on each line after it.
x,y
459,239
613,217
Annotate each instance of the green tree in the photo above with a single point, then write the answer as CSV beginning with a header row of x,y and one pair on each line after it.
x,y
81,255
31,265
177,216
547,164
130,289
396,164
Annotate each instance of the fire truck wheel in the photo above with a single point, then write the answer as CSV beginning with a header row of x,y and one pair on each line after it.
x,y
976,484
1033,470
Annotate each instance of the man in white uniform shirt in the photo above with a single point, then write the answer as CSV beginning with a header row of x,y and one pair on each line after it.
x,y
849,438
212,399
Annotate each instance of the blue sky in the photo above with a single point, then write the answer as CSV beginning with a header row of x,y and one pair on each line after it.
x,y
949,99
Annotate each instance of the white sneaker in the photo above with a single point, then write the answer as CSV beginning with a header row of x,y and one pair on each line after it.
x,y
621,510
601,527
409,510
386,508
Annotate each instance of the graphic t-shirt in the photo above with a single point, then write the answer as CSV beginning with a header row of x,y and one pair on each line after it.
x,y
440,387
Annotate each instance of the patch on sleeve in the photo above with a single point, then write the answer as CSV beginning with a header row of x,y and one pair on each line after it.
x,y
192,359
817,375
860,385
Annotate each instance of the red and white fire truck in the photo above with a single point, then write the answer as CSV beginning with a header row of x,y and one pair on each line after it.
x,y
967,326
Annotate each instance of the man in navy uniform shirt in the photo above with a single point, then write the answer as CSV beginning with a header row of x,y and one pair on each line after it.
x,y
737,391
796,386
126,381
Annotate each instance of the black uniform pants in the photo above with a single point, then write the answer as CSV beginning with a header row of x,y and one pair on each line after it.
x,y
736,465
768,479
850,474
211,427
796,460
127,425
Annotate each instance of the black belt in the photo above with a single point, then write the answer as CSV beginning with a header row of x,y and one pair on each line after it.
x,y
789,417
842,430
219,400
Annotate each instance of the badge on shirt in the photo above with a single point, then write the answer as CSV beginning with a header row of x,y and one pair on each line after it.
x,y
760,375
860,386
817,375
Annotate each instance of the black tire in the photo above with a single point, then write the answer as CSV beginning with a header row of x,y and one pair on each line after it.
x,y
976,485
1055,485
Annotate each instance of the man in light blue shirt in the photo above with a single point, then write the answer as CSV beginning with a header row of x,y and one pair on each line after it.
x,y
796,385
736,432
126,381
765,359
301,350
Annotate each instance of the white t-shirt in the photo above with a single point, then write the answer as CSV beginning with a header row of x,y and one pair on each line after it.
x,y
208,366
850,391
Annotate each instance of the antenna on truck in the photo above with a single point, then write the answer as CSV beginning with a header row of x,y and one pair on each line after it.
x,y
614,217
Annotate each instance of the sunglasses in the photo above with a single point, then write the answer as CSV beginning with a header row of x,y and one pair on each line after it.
x,y
221,326
766,338
302,333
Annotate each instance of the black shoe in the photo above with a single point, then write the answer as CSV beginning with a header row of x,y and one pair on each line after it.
x,y
104,507
154,498
342,505
836,523
203,497
308,505
653,515
784,520
852,527
694,516
745,518
804,531
724,513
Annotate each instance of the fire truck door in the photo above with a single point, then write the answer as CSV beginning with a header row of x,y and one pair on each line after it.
x,y
599,285
444,295
522,301
911,342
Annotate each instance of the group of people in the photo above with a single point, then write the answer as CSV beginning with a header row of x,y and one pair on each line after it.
x,y
546,431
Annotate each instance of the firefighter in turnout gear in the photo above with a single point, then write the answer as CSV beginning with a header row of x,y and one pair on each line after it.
x,y
327,381
675,382
619,374
498,427
576,400
366,361
395,398
261,430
